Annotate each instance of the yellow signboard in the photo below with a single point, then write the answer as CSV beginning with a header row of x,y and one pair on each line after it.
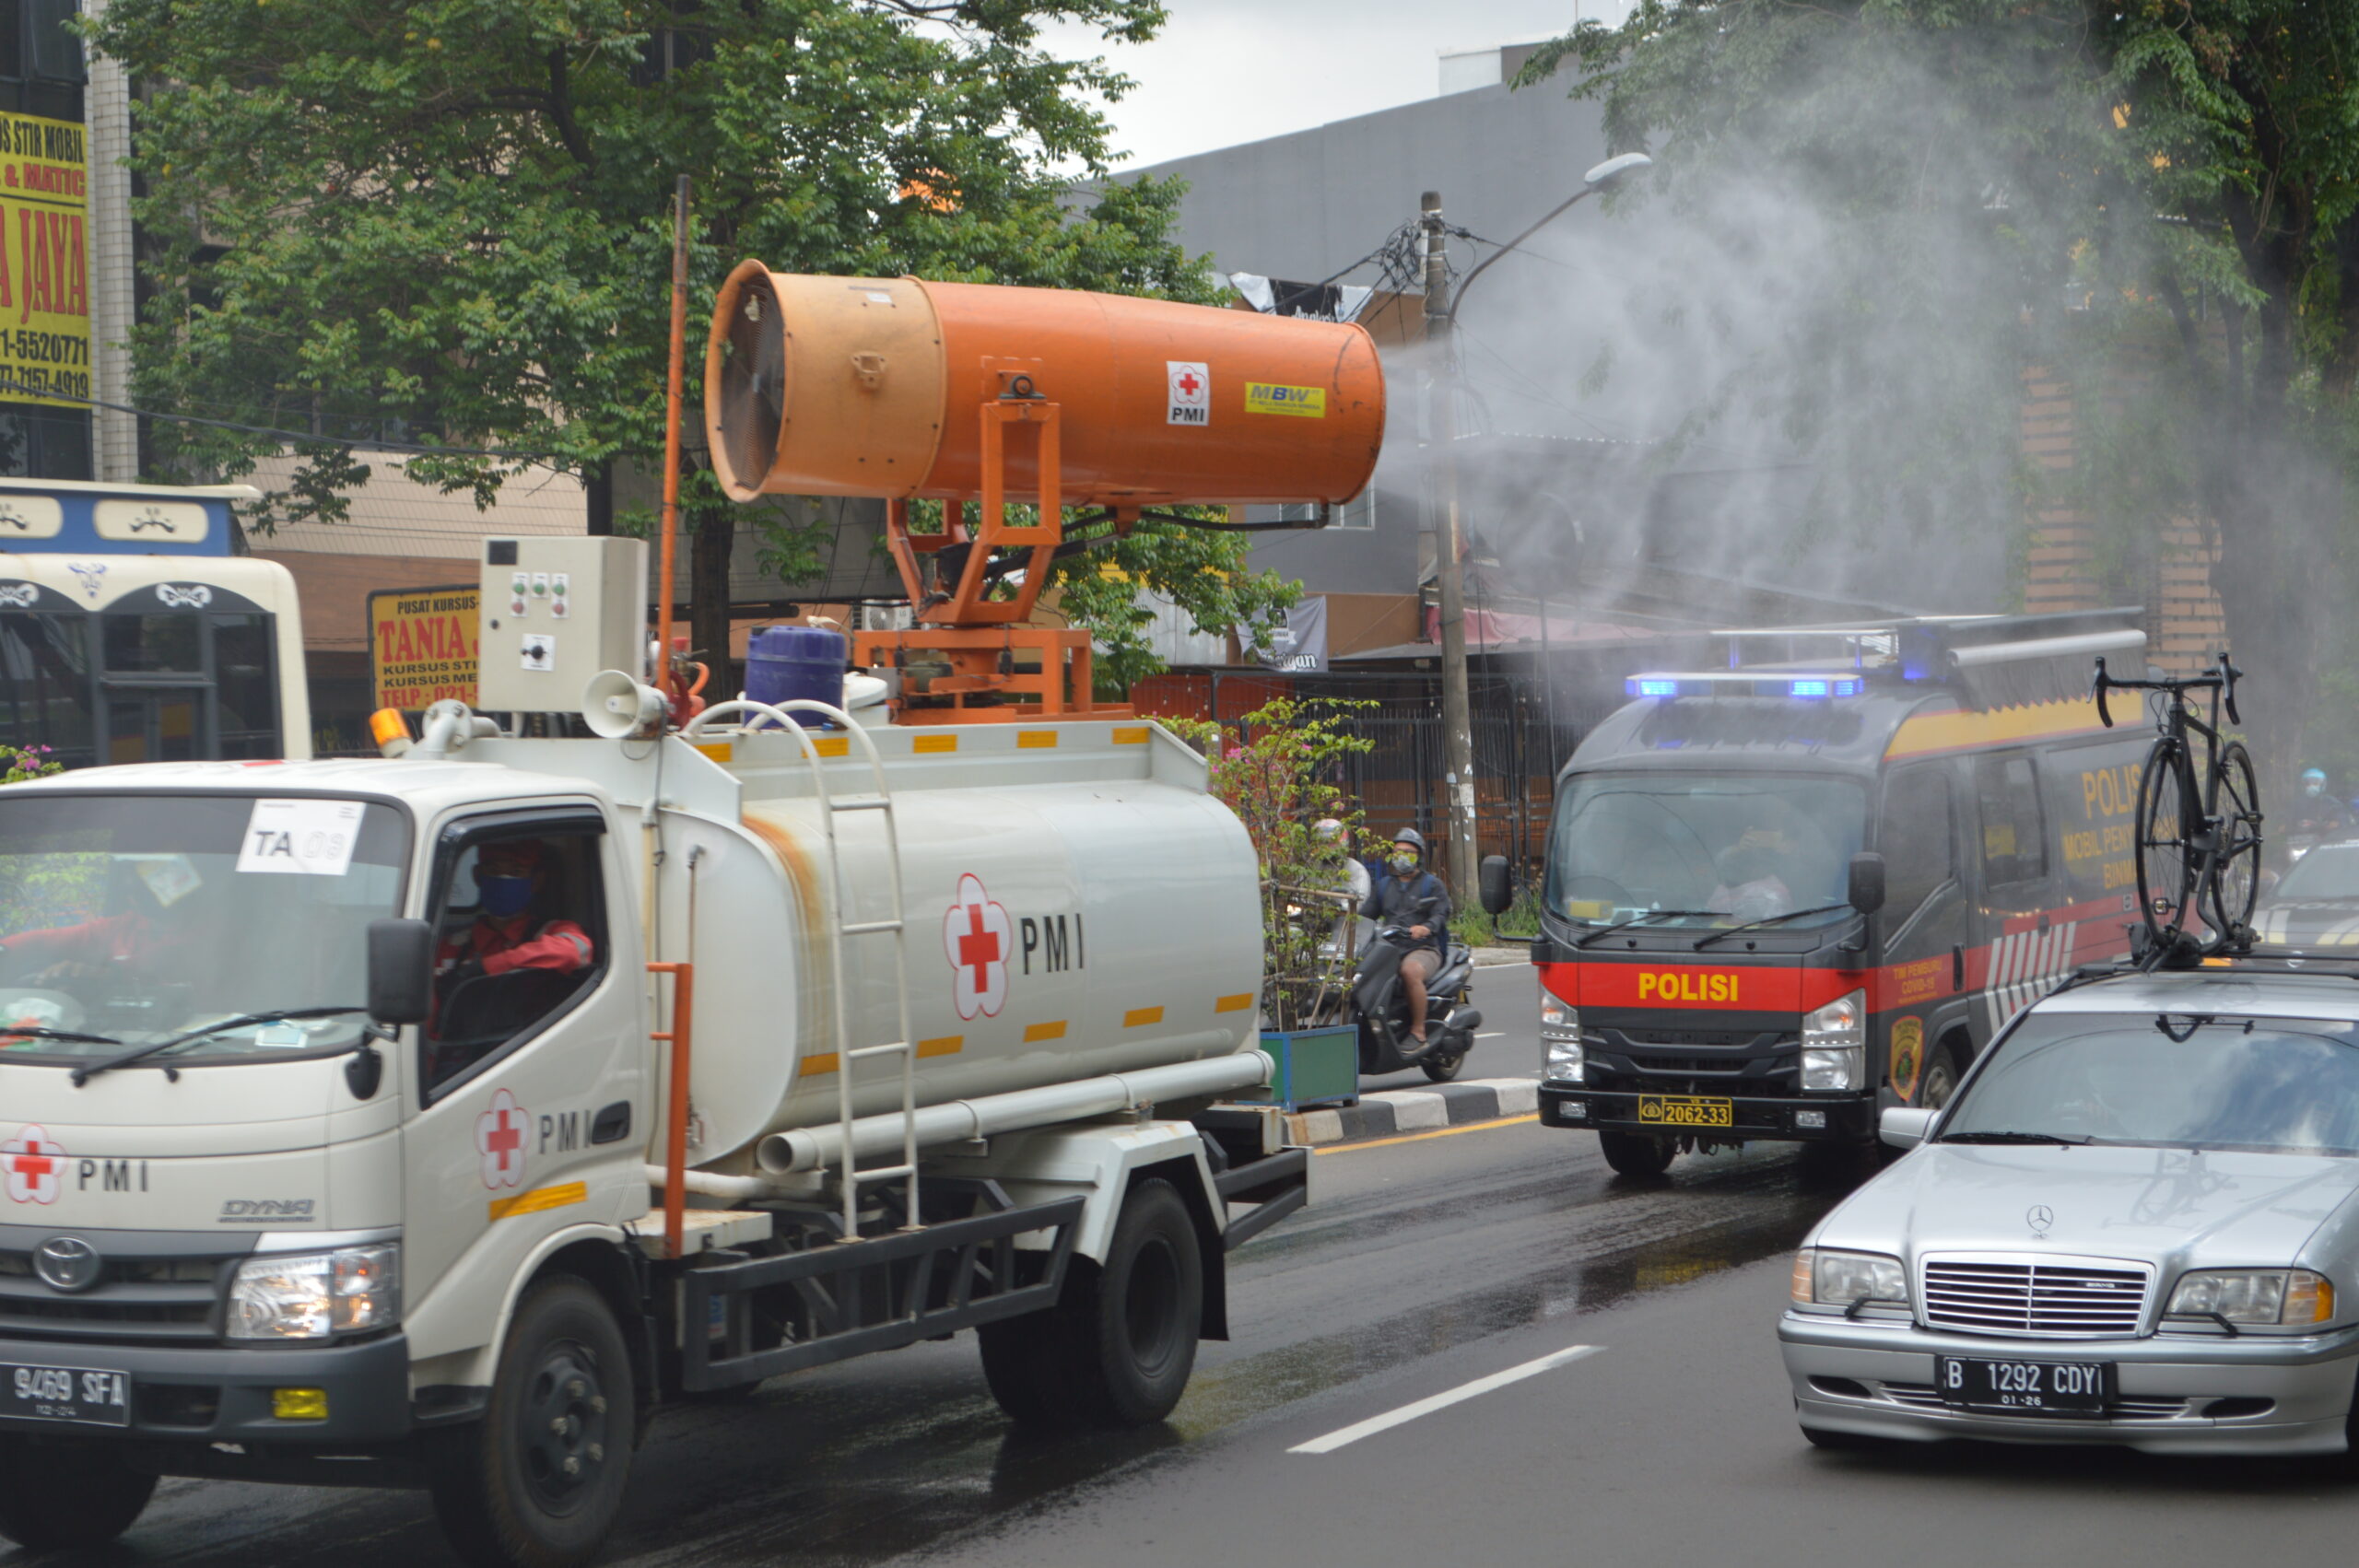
x,y
44,275
1306,402
422,645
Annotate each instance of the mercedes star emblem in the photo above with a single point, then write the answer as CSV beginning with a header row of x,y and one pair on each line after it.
x,y
66,1263
2039,1217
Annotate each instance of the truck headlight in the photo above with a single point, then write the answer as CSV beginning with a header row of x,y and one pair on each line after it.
x,y
1824,1277
1835,1044
2253,1295
1560,1040
309,1295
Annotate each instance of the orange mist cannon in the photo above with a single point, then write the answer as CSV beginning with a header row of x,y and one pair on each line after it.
x,y
970,393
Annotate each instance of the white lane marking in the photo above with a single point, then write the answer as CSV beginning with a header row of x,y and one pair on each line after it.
x,y
1493,1035
1410,1413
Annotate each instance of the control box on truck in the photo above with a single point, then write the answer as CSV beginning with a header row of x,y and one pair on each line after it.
x,y
129,632
1782,895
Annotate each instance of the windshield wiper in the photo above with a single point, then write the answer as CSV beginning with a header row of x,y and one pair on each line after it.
x,y
82,1075
1642,920
1711,937
2011,1136
35,1032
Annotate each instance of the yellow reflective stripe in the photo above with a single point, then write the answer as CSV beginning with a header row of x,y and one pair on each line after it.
x,y
1237,1003
1139,1015
816,1063
1929,732
941,1045
1034,1032
541,1197
1035,739
933,743
1130,734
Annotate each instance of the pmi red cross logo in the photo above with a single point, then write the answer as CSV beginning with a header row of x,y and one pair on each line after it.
x,y
976,935
34,1165
499,1139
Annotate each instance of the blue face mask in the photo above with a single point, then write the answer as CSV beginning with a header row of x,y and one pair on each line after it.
x,y
504,895
1403,864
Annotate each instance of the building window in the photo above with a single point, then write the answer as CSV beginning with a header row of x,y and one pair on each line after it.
x,y
41,60
1359,513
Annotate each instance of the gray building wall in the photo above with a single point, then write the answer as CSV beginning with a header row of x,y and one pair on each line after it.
x,y
1304,206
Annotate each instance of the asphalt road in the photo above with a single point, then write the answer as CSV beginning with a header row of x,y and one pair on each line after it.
x,y
1427,1264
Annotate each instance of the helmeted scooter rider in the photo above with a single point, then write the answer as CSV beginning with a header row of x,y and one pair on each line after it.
x,y
2318,814
1410,897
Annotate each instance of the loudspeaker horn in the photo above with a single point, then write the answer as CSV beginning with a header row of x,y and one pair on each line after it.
x,y
616,706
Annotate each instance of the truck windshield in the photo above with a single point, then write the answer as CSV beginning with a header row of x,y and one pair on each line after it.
x,y
131,918
2168,1081
1729,847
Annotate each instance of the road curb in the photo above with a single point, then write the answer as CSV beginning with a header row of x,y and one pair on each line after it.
x,y
1390,1112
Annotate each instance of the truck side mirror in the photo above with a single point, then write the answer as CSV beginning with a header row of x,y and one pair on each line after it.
x,y
401,971
1866,892
1497,884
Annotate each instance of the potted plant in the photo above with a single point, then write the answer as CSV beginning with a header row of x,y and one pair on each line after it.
x,y
1277,777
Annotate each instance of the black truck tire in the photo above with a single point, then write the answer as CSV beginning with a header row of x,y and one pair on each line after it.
x,y
537,1483
67,1495
1117,1349
1636,1153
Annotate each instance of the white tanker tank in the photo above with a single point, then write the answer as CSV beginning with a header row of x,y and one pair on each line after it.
x,y
1076,906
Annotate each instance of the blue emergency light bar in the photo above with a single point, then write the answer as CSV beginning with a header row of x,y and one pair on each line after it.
x,y
1743,683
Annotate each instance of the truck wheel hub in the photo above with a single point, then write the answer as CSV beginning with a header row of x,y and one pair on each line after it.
x,y
563,1421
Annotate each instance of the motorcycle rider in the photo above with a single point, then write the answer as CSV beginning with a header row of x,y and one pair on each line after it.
x,y
1408,895
2318,814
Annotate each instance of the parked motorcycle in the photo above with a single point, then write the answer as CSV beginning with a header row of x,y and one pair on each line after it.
x,y
1381,1003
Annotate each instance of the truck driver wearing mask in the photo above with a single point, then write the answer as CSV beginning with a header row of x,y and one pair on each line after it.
x,y
507,936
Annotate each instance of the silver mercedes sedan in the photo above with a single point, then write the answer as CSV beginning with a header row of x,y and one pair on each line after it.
x,y
2136,1223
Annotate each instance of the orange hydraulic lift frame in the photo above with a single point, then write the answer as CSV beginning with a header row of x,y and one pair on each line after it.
x,y
904,389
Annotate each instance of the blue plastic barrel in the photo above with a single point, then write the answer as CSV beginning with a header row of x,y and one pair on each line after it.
x,y
783,664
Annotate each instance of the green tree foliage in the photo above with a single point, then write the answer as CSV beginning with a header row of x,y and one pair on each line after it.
x,y
1280,779
449,220
2154,199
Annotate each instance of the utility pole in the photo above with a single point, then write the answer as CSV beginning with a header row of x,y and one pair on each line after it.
x,y
1457,718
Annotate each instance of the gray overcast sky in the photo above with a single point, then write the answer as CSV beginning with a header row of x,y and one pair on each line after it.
x,y
1230,71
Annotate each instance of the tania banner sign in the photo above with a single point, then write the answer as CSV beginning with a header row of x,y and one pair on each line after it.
x,y
45,271
422,645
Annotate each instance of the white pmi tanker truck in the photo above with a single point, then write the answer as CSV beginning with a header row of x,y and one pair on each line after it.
x,y
311,1177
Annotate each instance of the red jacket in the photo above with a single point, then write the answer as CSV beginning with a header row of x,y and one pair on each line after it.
x,y
517,944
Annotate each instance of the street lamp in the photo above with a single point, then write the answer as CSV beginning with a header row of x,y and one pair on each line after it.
x,y
1441,319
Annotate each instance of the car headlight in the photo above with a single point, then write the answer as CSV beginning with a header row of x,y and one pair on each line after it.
x,y
309,1295
1835,1044
1825,1277
1560,1039
2253,1295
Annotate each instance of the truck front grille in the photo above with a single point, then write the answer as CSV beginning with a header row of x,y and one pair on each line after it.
x,y
152,1300
2059,1298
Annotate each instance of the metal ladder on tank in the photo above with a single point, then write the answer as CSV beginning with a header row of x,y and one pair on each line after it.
x,y
880,800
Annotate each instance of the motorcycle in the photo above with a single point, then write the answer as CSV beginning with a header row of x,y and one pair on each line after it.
x,y
1381,1003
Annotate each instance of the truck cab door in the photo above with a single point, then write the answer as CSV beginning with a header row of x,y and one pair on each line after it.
x,y
527,1085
